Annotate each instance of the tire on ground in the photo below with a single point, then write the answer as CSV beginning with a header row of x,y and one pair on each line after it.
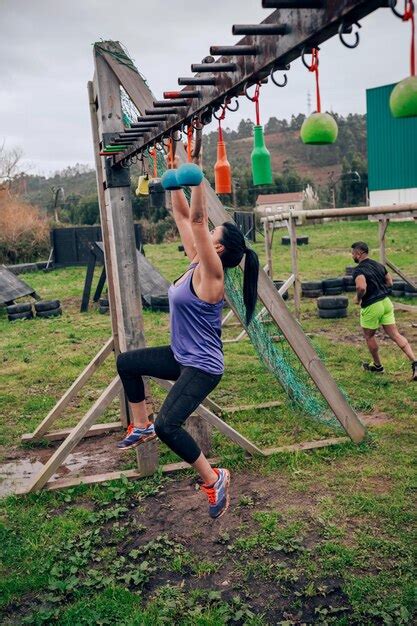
x,y
332,302
332,313
332,283
160,303
104,302
333,291
307,285
50,312
311,293
23,307
46,305
103,309
25,315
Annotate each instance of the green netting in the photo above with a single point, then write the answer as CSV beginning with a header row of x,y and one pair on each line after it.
x,y
278,357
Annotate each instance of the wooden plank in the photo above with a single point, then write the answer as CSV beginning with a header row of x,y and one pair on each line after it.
x,y
12,287
218,423
268,248
227,318
63,402
382,229
401,274
306,445
147,457
133,474
105,232
251,407
201,432
88,282
95,431
83,426
294,266
409,308
100,285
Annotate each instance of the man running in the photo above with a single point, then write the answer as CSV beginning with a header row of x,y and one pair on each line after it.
x,y
373,285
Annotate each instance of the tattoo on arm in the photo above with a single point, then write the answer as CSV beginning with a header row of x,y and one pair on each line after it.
x,y
198,217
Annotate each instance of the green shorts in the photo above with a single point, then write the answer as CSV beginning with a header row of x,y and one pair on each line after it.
x,y
378,314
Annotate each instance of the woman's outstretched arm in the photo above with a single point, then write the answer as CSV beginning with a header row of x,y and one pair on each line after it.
x,y
181,215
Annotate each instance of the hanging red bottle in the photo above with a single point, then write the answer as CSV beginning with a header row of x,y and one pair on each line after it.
x,y
222,170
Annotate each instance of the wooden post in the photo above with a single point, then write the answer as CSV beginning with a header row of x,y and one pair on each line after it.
x,y
294,265
122,272
93,104
382,228
201,431
268,246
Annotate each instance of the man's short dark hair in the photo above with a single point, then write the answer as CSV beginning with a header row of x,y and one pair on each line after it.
x,y
360,245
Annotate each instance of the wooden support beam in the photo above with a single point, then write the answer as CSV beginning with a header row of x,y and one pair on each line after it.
x,y
64,401
401,274
92,259
133,474
409,308
58,435
83,426
306,445
382,229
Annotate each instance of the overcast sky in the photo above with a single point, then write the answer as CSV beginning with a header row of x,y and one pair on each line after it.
x,y
46,61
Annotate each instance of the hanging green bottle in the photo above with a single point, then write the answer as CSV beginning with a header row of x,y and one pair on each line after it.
x,y
261,159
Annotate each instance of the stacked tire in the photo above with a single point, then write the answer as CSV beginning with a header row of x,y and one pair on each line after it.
x,y
48,308
332,286
278,284
312,289
160,303
349,283
349,270
103,307
332,307
301,241
20,312
409,291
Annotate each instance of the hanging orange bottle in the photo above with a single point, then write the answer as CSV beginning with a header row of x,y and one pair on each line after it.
x,y
222,169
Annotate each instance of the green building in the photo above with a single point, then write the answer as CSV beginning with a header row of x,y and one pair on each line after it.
x,y
392,151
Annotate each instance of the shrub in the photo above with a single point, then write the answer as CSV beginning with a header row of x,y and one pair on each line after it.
x,y
24,231
164,230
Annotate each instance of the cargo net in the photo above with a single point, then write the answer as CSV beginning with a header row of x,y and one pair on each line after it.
x,y
278,357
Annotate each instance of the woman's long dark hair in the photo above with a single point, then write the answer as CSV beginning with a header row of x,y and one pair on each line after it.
x,y
235,247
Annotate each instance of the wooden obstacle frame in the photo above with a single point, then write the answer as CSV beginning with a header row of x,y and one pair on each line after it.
x,y
113,183
382,214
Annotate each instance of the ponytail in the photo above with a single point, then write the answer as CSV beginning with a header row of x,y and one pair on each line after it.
x,y
250,283
235,248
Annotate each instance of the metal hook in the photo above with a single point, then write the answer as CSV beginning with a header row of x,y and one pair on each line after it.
x,y
192,123
177,130
308,50
220,108
347,28
227,102
245,91
279,69
392,5
160,147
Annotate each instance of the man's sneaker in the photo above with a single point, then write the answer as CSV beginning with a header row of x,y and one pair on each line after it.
x,y
218,494
136,436
371,367
414,370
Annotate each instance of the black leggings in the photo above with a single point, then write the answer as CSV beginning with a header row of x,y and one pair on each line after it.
x,y
191,387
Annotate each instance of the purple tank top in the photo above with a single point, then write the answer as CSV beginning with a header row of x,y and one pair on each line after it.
x,y
195,328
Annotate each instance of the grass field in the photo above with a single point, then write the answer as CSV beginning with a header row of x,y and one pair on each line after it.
x,y
323,537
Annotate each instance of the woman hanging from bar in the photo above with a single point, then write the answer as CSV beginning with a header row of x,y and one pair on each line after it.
x,y
194,359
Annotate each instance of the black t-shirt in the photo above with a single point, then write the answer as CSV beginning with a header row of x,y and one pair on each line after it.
x,y
376,288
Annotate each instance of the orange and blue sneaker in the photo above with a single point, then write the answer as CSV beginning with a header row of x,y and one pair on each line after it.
x,y
135,436
218,493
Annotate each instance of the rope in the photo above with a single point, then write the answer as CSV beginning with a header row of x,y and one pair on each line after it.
x,y
256,101
314,67
409,15
189,142
220,119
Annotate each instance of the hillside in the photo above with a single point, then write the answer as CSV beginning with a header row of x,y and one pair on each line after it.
x,y
294,164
